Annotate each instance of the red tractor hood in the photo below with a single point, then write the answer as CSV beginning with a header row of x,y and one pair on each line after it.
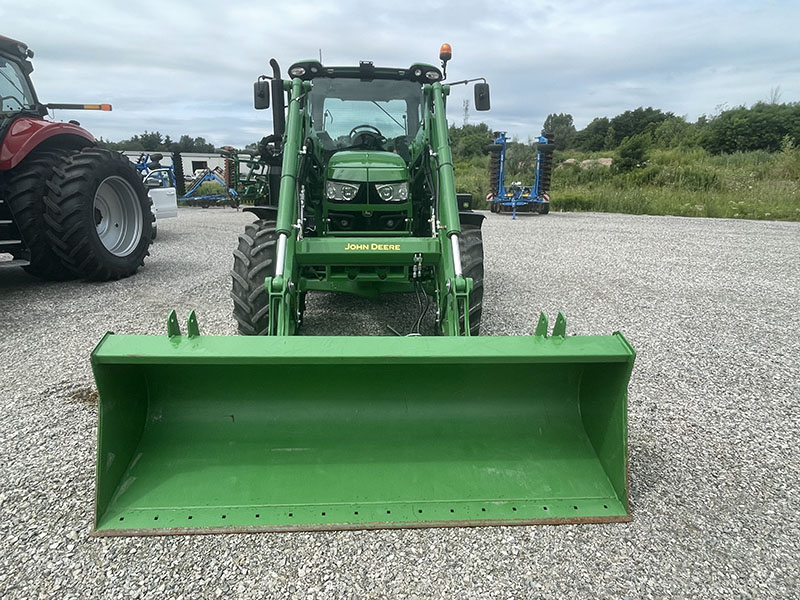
x,y
25,134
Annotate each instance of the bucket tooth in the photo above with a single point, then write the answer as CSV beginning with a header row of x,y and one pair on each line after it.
x,y
560,328
173,327
541,326
192,327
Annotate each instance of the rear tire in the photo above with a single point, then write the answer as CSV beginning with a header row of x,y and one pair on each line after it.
x,y
25,192
98,214
544,208
253,261
471,247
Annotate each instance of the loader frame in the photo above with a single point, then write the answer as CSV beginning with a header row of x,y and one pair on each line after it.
x,y
383,262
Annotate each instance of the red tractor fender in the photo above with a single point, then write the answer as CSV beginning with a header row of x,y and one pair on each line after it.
x,y
28,133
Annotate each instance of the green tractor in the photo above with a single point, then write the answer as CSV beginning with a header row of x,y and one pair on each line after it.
x,y
274,431
367,201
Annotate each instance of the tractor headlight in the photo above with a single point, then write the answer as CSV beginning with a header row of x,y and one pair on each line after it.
x,y
386,192
348,192
340,192
393,192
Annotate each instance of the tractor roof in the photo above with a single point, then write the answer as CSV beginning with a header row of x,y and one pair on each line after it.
x,y
13,46
366,71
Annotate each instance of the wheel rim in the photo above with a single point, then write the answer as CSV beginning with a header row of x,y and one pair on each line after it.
x,y
117,216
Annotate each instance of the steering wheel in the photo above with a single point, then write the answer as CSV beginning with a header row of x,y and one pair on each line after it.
x,y
365,126
370,137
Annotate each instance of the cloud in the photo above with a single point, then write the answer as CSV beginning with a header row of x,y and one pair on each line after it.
x,y
188,67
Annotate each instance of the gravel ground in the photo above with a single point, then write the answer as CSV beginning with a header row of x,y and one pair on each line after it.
x,y
710,305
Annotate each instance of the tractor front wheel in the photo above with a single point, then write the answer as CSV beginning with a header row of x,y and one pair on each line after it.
x,y
98,215
471,246
253,261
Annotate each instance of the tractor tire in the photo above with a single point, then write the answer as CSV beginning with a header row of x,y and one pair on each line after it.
x,y
471,246
177,170
544,208
253,261
98,215
25,192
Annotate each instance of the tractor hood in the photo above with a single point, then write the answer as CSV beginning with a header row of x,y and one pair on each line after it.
x,y
365,166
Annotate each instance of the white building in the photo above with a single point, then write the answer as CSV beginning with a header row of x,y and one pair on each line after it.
x,y
192,161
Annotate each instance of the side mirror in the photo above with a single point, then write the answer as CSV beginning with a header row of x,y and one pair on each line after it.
x,y
482,96
261,94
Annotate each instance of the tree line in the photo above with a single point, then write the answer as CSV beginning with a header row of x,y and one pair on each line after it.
x,y
765,126
154,141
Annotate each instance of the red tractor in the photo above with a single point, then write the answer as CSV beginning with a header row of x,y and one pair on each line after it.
x,y
68,209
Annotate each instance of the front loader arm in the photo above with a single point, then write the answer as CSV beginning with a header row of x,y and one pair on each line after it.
x,y
282,288
453,287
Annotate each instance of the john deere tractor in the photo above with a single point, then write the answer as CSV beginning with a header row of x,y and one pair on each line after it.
x,y
67,208
371,205
278,431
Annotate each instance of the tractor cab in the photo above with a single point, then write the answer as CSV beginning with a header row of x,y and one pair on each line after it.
x,y
377,115
17,95
365,133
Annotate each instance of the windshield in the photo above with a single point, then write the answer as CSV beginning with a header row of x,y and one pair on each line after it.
x,y
378,114
15,94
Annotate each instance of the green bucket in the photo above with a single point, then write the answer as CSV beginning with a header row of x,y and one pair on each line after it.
x,y
206,434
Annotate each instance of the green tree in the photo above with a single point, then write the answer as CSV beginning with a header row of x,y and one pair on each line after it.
x,y
634,122
760,127
152,140
562,128
593,136
631,153
469,140
672,133
187,143
609,143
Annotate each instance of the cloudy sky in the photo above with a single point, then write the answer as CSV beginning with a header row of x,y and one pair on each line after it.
x,y
188,67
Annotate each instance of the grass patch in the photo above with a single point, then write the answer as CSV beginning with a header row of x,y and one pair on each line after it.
x,y
761,202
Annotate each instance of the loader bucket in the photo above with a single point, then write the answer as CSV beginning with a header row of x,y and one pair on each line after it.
x,y
204,434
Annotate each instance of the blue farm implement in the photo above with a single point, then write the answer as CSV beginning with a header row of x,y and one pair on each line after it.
x,y
193,197
148,164
517,197
172,175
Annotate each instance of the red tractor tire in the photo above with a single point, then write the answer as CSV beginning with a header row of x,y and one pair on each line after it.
x,y
26,188
98,215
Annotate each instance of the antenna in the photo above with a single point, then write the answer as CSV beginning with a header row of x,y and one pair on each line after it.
x,y
320,56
